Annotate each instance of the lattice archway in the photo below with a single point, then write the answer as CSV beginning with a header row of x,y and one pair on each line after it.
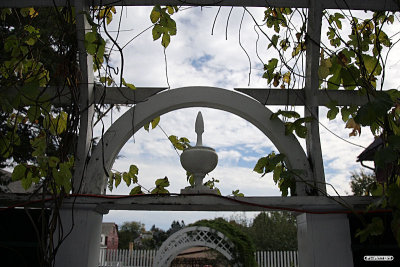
x,y
189,237
196,96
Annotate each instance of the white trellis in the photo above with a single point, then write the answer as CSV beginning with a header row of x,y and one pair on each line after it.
x,y
323,239
189,237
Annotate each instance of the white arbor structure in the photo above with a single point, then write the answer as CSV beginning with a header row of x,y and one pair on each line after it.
x,y
249,109
324,238
189,237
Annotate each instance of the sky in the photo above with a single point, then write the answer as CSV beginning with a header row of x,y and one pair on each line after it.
x,y
196,57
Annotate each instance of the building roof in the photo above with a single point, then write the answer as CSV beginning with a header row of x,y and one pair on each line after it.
x,y
106,227
369,153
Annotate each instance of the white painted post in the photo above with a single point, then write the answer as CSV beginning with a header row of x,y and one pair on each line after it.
x,y
81,247
324,240
313,142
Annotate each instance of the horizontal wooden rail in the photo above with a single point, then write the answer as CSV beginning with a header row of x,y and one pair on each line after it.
x,y
389,5
201,202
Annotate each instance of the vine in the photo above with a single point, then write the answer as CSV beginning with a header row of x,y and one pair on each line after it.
x,y
353,62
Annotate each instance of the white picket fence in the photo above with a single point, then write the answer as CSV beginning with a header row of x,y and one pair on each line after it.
x,y
126,258
276,258
144,258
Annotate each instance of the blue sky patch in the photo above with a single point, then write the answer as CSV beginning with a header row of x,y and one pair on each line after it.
x,y
198,63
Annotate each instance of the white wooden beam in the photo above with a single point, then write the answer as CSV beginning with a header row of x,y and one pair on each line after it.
x,y
313,143
295,97
389,5
60,96
206,202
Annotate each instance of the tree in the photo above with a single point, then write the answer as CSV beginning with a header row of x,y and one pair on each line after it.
x,y
128,232
362,183
175,227
274,231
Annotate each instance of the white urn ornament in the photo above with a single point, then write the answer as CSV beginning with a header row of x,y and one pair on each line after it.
x,y
199,161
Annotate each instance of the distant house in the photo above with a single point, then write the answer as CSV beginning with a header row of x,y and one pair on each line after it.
x,y
109,236
138,242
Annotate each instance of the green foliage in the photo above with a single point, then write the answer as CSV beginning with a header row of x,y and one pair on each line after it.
x,y
128,232
273,231
179,143
243,247
362,183
295,126
282,176
211,184
161,185
237,193
129,177
154,122
374,228
164,25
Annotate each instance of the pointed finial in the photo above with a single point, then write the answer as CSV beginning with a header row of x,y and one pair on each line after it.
x,y
199,128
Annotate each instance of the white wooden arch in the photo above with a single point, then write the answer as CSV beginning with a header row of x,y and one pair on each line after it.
x,y
189,237
118,134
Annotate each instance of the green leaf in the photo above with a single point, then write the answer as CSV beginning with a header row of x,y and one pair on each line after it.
x,y
384,156
27,182
333,110
154,15
39,145
146,126
63,176
162,182
274,41
334,81
285,113
33,113
374,228
372,64
159,190
236,193
259,167
30,41
349,77
117,178
170,10
129,85
347,111
126,178
53,161
301,131
137,190
372,111
277,173
155,122
394,141
18,173
166,39
61,123
376,190
133,170
157,31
